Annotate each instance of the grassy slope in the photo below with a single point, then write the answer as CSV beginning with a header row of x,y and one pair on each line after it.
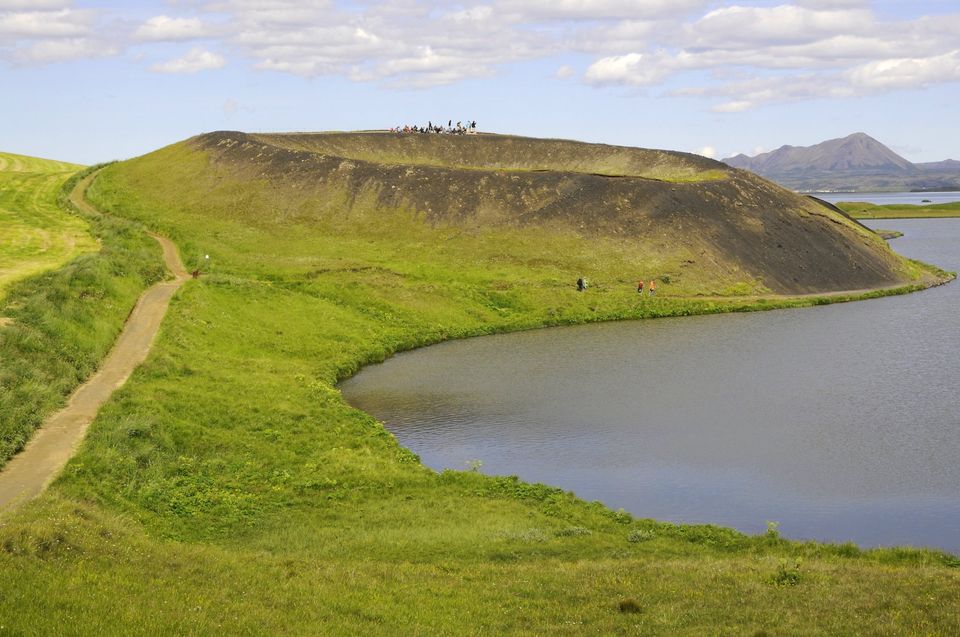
x,y
227,487
37,235
61,323
862,210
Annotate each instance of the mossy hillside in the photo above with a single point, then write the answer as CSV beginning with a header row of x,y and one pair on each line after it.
x,y
228,488
503,152
707,237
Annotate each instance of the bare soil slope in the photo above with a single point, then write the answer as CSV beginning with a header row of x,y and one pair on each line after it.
x,y
731,218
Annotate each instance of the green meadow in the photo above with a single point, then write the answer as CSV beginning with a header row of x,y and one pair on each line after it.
x,y
37,234
227,488
863,210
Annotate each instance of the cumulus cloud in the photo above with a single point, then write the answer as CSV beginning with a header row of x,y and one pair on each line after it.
x,y
44,24
45,31
526,10
196,59
633,69
739,53
907,72
737,26
165,28
47,51
806,50
33,4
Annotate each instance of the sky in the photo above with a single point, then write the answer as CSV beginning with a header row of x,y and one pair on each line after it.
x,y
95,80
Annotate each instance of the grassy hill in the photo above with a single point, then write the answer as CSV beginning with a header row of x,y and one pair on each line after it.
x,y
37,234
67,283
227,488
706,228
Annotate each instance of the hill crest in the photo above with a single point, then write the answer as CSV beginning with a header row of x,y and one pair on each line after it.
x,y
709,226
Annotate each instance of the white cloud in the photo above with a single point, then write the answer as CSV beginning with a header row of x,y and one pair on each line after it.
x,y
33,4
195,60
732,27
740,54
41,24
907,72
707,151
634,69
165,28
48,51
526,10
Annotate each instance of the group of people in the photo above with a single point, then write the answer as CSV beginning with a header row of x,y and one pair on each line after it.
x,y
651,287
439,129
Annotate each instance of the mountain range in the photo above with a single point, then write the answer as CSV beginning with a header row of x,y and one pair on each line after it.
x,y
855,163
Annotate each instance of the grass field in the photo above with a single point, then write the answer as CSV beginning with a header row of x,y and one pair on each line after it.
x,y
37,234
862,210
59,324
228,489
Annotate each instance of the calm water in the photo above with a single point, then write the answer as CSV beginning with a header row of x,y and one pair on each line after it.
x,y
884,198
840,422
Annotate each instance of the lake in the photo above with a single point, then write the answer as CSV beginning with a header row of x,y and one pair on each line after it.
x,y
840,422
886,198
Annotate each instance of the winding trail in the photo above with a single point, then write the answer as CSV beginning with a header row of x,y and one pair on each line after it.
x,y
54,443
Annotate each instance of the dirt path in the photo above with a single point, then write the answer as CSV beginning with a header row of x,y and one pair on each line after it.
x,y
52,445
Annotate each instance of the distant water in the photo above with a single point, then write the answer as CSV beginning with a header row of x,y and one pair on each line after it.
x,y
884,198
841,422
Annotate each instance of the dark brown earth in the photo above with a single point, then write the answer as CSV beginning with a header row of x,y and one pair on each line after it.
x,y
792,244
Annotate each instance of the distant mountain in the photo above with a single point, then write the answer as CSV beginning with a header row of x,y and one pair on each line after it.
x,y
949,164
857,162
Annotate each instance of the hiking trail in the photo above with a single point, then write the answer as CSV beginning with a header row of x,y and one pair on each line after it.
x,y
29,472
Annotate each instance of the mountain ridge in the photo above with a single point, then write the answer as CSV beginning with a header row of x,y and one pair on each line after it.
x,y
855,162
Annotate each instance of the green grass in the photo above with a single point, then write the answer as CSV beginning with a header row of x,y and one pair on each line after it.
x,y
862,210
60,324
37,234
228,489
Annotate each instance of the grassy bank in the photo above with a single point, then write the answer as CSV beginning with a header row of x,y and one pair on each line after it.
x,y
863,210
227,488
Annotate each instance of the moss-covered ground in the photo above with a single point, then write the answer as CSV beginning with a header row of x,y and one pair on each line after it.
x,y
228,489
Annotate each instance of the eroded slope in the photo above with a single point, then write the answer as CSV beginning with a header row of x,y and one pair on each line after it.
x,y
719,221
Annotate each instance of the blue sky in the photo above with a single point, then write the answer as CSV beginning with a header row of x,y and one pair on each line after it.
x,y
94,80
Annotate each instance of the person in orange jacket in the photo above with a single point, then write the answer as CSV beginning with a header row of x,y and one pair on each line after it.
x,y
653,287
